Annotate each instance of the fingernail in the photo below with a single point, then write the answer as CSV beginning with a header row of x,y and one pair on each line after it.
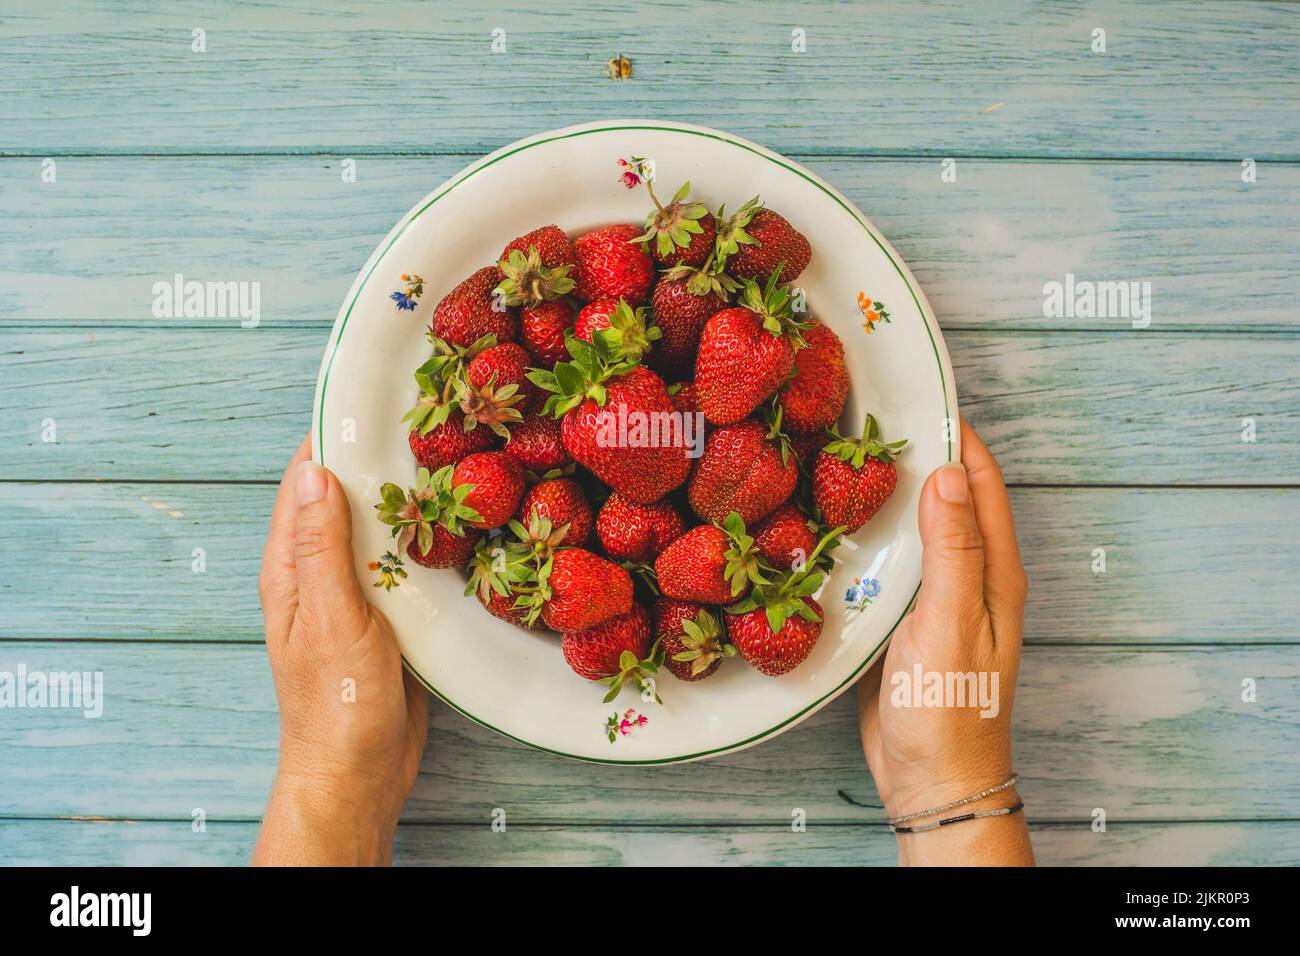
x,y
951,482
310,484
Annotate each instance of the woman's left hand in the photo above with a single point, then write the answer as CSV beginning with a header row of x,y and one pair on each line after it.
x,y
352,721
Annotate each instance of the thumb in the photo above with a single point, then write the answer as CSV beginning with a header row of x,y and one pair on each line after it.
x,y
952,567
327,576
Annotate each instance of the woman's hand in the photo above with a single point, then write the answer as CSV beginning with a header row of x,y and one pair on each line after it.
x,y
968,619
352,722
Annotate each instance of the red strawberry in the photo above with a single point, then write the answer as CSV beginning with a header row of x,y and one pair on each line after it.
x,y
471,311
680,232
594,316
681,315
852,478
741,470
562,501
611,266
446,550
745,353
447,443
755,243
496,483
685,398
618,420
615,652
814,396
692,639
708,565
776,651
784,537
440,433
543,328
584,590
552,245
508,361
490,375
531,275
775,626
628,336
537,443
430,520
635,532
503,607
643,473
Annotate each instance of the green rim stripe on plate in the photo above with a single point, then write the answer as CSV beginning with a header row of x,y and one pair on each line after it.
x,y
329,364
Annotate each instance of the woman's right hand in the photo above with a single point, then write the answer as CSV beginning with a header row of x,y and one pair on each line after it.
x,y
967,620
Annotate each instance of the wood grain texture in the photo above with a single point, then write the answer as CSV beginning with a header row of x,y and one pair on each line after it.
x,y
224,165
1182,566
1145,734
1218,253
1080,408
154,843
942,78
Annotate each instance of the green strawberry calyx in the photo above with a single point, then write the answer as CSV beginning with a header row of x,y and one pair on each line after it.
x,y
528,282
500,566
856,451
629,333
744,565
773,305
704,643
771,414
530,600
646,572
634,671
785,595
705,279
491,405
433,500
594,363
673,226
541,536
731,234
440,380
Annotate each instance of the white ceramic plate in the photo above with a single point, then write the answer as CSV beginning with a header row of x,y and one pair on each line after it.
x,y
516,682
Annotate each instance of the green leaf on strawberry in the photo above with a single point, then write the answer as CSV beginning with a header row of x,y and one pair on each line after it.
x,y
527,282
634,671
782,596
431,501
857,451
704,643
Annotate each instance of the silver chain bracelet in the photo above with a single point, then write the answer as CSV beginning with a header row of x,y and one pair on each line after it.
x,y
893,822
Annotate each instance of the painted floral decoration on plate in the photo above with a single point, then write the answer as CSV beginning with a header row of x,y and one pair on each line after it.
x,y
406,298
390,571
616,726
636,171
860,593
872,311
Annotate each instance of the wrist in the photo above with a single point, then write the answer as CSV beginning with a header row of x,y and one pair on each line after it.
x,y
914,792
995,840
313,821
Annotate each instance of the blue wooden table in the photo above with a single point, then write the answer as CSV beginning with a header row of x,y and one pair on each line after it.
x,y
1000,146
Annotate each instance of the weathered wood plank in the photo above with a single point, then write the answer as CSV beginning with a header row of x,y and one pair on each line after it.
x,y
943,78
1218,253
1144,734
1182,566
1138,408
153,843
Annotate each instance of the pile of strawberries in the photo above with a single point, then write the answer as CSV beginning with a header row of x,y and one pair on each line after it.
x,y
536,480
